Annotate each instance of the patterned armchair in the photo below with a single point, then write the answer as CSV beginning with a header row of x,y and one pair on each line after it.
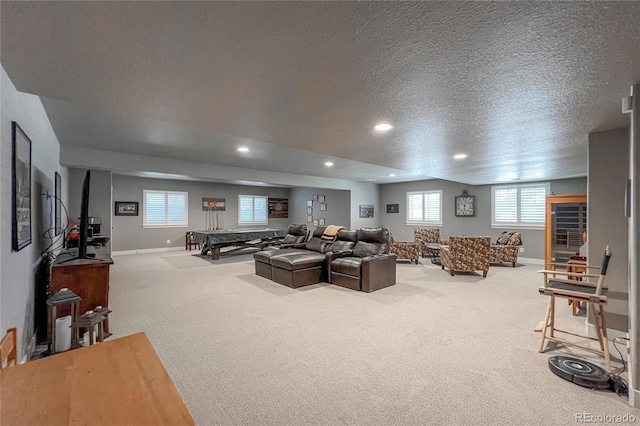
x,y
406,250
424,236
466,254
506,248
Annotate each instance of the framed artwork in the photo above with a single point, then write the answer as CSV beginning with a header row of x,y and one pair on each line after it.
x,y
309,210
321,221
321,198
465,204
366,211
58,204
315,222
278,208
214,204
309,203
315,197
20,188
323,207
309,218
393,208
126,208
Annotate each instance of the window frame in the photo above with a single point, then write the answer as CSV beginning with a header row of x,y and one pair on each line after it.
x,y
253,213
166,224
519,223
423,221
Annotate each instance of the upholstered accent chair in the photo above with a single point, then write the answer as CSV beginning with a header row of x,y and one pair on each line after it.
x,y
409,250
506,248
424,236
466,254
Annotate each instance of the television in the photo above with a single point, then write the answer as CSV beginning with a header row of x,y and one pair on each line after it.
x,y
84,249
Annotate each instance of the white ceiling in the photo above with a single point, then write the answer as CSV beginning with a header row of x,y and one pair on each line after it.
x,y
517,86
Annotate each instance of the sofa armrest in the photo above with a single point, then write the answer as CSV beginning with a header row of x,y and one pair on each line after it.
x,y
378,272
293,245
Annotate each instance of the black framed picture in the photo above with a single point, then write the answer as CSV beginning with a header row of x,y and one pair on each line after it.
x,y
20,188
58,204
393,208
126,208
366,211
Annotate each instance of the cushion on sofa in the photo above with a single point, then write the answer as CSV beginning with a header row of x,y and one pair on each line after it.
x,y
300,260
347,265
503,239
345,240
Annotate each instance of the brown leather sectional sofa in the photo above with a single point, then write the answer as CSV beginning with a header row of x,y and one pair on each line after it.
x,y
357,259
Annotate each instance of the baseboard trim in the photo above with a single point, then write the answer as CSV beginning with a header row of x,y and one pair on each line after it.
x,y
531,261
144,251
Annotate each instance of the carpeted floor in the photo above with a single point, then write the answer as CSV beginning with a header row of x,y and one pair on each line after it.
x,y
433,349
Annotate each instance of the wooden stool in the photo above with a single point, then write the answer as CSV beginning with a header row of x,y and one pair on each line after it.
x,y
190,241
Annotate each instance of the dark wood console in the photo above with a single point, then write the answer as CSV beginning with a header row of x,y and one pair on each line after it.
x,y
88,278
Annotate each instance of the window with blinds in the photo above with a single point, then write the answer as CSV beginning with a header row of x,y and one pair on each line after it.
x,y
252,210
165,209
519,206
424,208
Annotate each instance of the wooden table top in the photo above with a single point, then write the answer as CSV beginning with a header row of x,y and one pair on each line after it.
x,y
118,382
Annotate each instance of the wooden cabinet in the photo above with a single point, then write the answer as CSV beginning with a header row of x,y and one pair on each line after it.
x,y
565,225
88,278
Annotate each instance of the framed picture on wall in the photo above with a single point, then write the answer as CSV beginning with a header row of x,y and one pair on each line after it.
x,y
315,197
393,208
321,221
309,218
321,198
366,211
315,222
126,208
309,203
58,204
21,188
323,207
309,210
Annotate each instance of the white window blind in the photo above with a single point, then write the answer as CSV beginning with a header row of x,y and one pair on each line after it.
x,y
165,208
520,206
252,210
424,208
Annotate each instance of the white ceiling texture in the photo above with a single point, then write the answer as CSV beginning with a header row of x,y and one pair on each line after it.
x,y
517,86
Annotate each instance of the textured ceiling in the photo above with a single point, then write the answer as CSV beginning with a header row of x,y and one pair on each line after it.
x,y
517,86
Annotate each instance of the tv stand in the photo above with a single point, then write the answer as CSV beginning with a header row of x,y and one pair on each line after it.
x,y
88,278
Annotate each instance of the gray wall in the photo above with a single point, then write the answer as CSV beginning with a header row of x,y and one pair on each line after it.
x,y
480,224
99,197
128,233
365,194
19,270
338,206
606,223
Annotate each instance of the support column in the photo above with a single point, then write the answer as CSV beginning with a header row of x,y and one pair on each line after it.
x,y
633,198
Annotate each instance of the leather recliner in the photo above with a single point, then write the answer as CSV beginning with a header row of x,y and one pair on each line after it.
x,y
369,266
296,237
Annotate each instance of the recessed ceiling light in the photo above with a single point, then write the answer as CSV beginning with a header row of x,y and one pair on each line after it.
x,y
371,179
243,149
460,156
383,127
392,175
328,163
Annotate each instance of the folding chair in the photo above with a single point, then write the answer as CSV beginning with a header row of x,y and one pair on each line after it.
x,y
590,289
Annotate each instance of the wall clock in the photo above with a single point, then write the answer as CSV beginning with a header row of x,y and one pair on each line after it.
x,y
465,204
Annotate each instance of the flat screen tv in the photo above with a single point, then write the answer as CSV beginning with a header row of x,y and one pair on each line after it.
x,y
84,250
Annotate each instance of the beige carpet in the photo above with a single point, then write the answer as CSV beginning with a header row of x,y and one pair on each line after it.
x,y
432,349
